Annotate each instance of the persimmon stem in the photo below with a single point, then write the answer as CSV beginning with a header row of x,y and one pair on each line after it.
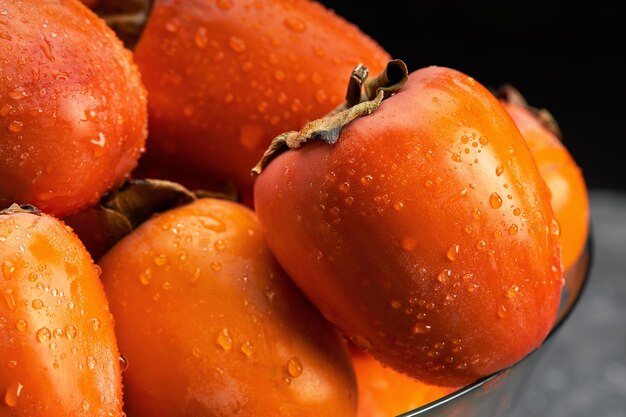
x,y
127,18
511,95
358,104
17,208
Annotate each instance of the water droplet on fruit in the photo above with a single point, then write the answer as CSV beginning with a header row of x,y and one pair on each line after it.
x,y
18,94
320,96
160,260
366,179
11,364
85,405
502,311
247,348
512,291
57,333
8,298
396,304
95,323
224,340
476,214
172,25
294,367
216,266
91,362
556,228
15,126
513,229
483,140
444,275
21,325
13,393
123,363
421,328
43,335
495,200
456,157
8,268
70,331
453,252
145,277
236,44
295,25
517,211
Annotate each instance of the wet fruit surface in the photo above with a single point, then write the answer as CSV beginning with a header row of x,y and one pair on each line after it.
x,y
210,324
225,77
58,352
564,179
72,106
425,232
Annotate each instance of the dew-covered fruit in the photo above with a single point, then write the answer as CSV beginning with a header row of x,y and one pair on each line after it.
x,y
425,232
211,326
225,77
58,351
73,110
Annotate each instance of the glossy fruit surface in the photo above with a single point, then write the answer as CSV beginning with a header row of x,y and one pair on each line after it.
x,y
570,201
72,107
425,233
58,351
225,77
384,392
211,325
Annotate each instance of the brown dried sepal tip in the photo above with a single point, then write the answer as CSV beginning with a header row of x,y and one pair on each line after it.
x,y
137,200
363,98
511,95
23,208
127,18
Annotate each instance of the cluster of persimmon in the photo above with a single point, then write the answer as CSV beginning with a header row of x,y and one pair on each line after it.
x,y
393,244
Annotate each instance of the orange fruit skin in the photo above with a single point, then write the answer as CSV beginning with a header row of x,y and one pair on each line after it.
x,y
73,110
226,77
570,200
58,350
211,326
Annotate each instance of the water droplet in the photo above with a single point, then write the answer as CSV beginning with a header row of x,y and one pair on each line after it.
x,y
145,277
429,306
396,304
167,286
33,277
85,405
295,25
468,229
495,200
464,139
220,245
453,252
481,244
15,126
366,179
556,228
499,170
216,266
18,94
517,211
44,335
95,323
52,346
12,394
11,364
421,328
483,140
294,367
512,291
91,362
70,331
160,260
224,340
444,275
195,276
172,25
246,348
476,214
123,363
502,311
513,229
8,297
236,44
409,243
262,106
229,98
456,157
225,4
21,325
497,234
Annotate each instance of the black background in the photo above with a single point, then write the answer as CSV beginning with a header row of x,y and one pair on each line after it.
x,y
563,57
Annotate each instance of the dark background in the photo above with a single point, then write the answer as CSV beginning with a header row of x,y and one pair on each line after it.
x,y
563,57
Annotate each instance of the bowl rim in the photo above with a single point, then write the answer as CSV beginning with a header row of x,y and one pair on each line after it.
x,y
588,253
